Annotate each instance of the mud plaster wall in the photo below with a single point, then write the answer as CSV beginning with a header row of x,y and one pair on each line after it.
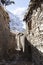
x,y
7,39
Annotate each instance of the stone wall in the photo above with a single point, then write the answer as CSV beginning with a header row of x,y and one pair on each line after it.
x,y
35,34
7,39
37,56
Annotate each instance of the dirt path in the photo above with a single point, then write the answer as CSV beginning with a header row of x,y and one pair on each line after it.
x,y
16,63
20,59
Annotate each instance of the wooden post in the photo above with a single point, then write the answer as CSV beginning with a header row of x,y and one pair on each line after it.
x,y
27,27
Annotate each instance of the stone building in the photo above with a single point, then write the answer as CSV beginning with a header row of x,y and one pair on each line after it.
x,y
34,21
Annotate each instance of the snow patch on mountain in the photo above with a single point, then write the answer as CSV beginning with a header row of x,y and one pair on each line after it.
x,y
16,24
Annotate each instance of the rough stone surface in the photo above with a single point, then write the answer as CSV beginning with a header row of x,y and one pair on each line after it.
x,y
34,21
7,40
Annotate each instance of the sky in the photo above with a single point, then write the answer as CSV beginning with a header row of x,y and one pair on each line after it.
x,y
21,3
19,7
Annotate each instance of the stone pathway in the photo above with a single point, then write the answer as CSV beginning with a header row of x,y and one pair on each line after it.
x,y
16,63
19,60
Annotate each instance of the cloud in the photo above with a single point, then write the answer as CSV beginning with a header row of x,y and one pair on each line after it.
x,y
19,12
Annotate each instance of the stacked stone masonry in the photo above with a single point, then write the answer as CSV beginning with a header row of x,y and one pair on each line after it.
x,y
37,56
36,37
35,34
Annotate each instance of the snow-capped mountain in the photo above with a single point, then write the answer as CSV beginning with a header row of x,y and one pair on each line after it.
x,y
16,24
